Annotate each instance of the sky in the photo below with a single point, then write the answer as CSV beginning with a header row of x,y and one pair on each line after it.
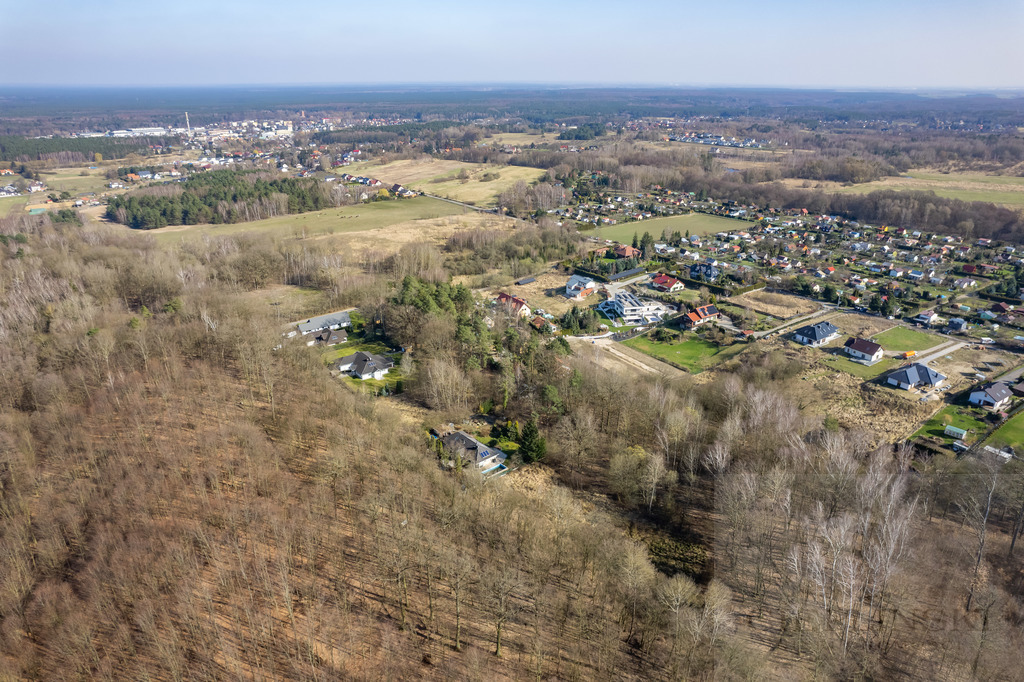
x,y
898,44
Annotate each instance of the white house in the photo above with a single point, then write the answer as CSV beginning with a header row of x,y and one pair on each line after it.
x,y
864,350
631,309
816,334
329,321
579,287
914,376
993,396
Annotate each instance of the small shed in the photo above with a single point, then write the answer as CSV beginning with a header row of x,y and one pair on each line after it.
x,y
526,280
959,434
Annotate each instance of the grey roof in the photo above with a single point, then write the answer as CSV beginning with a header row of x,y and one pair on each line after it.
x,y
315,324
365,363
579,281
916,375
996,392
817,332
474,449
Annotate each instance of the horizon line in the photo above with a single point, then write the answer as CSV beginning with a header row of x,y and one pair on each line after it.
x,y
483,85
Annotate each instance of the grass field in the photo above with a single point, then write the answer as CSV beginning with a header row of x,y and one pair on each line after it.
x,y
9,204
481,187
358,218
953,415
695,223
71,180
694,354
902,339
1011,433
997,189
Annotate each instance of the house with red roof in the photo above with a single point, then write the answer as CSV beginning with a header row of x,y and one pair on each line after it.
x,y
663,282
702,315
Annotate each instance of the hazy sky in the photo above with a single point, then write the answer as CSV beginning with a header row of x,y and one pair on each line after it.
x,y
830,43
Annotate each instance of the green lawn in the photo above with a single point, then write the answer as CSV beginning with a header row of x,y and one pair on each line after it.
x,y
903,339
1011,433
695,223
355,218
859,370
8,204
612,324
340,350
695,354
969,419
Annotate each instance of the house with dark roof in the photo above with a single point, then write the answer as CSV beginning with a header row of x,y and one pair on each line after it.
x,y
702,315
328,337
957,324
704,272
915,376
863,350
363,365
995,396
816,334
460,444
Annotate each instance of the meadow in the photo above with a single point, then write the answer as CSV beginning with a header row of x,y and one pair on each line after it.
x,y
694,354
481,185
903,339
356,218
1011,433
694,223
996,189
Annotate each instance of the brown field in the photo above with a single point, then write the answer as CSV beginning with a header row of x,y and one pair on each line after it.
x,y
622,359
545,293
961,366
855,324
438,177
862,406
435,230
780,306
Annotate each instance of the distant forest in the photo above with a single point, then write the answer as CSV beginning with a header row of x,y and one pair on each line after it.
x,y
72,150
218,197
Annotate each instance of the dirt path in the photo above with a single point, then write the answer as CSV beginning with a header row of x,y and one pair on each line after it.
x,y
610,354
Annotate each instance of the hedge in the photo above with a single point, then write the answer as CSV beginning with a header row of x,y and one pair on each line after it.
x,y
748,289
998,297
592,275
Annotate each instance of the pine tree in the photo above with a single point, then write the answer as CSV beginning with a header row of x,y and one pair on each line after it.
x,y
532,446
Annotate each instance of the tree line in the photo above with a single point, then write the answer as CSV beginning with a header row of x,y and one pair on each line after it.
x,y
73,149
221,196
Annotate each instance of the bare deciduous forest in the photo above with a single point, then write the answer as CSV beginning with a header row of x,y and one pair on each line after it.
x,y
183,500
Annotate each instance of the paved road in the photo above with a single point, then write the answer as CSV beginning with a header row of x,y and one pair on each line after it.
x,y
940,351
1012,375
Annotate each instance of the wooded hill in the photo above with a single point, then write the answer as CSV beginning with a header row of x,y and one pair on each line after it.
x,y
182,500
